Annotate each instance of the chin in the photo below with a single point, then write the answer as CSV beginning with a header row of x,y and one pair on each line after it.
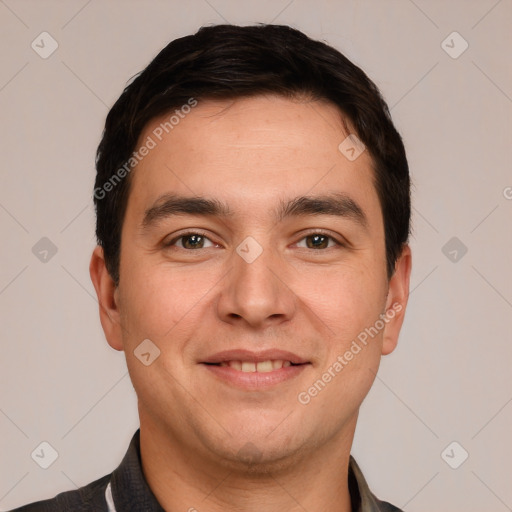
x,y
258,459
258,451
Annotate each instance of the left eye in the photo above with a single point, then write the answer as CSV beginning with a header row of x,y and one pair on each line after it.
x,y
318,241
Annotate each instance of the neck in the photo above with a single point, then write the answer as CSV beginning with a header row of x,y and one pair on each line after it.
x,y
183,479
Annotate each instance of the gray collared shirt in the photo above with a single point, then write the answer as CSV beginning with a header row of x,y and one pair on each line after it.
x,y
126,490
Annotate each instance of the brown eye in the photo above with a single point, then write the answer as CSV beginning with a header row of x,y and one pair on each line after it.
x,y
191,241
318,241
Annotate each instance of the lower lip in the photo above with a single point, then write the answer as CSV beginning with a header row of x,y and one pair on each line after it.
x,y
255,380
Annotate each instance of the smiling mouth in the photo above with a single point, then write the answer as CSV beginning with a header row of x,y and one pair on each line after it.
x,y
256,366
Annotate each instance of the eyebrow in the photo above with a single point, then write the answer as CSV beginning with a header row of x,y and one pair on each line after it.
x,y
336,204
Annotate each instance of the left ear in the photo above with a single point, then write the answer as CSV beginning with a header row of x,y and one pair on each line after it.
x,y
396,302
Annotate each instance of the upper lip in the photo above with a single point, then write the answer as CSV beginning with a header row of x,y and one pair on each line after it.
x,y
249,355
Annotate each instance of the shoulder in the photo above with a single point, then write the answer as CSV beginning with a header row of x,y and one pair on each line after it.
x,y
86,499
363,498
384,506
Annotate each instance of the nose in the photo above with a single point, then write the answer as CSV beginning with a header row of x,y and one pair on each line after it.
x,y
255,292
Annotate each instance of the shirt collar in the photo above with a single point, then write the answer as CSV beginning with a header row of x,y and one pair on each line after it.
x,y
362,498
131,492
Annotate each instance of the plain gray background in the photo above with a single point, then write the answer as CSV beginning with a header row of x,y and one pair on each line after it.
x,y
449,380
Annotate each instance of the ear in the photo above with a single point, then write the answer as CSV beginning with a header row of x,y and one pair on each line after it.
x,y
396,301
107,298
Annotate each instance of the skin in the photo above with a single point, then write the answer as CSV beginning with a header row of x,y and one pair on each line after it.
x,y
192,302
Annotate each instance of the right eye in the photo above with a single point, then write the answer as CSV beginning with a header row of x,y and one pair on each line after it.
x,y
190,241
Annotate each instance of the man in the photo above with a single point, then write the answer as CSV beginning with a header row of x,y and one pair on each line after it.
x,y
252,200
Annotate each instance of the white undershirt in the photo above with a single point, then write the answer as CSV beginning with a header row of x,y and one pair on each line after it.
x,y
109,499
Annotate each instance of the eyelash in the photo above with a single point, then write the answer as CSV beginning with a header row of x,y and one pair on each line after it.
x,y
203,234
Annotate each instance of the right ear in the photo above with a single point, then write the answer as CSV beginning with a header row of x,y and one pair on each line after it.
x,y
106,291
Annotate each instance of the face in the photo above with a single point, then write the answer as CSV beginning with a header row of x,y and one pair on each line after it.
x,y
253,257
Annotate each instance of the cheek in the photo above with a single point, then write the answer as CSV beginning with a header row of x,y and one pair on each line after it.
x,y
160,303
164,306
346,299
357,300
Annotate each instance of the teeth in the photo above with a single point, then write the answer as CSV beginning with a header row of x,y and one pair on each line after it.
x,y
248,367
237,365
261,367
264,366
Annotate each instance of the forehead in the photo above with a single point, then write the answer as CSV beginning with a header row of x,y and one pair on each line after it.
x,y
250,151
